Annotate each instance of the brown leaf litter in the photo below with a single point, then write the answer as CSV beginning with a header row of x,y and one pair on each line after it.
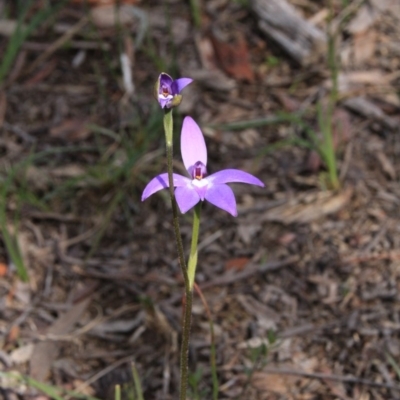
x,y
313,275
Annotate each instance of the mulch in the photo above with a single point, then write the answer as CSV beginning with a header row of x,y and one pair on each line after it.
x,y
303,286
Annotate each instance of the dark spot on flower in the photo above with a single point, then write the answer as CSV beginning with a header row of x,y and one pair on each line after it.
x,y
165,90
199,171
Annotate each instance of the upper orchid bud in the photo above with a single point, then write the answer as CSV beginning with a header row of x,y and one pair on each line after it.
x,y
167,91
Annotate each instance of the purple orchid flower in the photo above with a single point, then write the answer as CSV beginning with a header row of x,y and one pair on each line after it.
x,y
167,91
213,188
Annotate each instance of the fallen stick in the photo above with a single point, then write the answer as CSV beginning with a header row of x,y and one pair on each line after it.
x,y
321,375
337,378
279,20
229,278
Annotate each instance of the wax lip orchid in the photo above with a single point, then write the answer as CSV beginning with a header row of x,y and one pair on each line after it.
x,y
200,187
167,90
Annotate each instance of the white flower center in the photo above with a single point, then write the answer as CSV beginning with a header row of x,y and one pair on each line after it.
x,y
165,96
199,182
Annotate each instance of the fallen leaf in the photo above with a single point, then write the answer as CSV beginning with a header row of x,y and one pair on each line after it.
x,y
265,382
389,103
314,162
71,130
327,288
266,317
369,13
281,21
3,270
104,2
68,171
234,58
86,390
342,127
324,203
13,334
8,26
43,73
108,16
157,320
247,230
288,103
178,27
38,178
383,5
287,238
387,166
45,353
364,19
364,46
236,264
122,325
337,388
349,81
23,290
206,53
368,109
320,17
22,354
18,65
253,343
216,79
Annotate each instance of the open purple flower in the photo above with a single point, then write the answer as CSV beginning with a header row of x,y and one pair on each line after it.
x,y
167,91
213,188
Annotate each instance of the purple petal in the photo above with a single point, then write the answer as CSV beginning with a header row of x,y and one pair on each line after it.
x,y
180,84
232,176
193,146
163,101
186,197
165,79
201,187
161,182
222,196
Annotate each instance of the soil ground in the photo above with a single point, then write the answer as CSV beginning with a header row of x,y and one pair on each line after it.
x,y
303,286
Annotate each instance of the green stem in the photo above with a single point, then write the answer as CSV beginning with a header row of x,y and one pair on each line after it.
x,y
196,13
137,383
213,355
187,316
192,263
330,156
326,147
333,59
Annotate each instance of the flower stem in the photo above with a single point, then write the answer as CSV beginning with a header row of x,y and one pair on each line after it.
x,y
213,356
333,65
168,128
192,263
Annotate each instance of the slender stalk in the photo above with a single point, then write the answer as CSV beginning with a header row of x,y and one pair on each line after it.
x,y
196,13
187,316
213,355
187,320
137,383
192,263
330,156
326,146
117,394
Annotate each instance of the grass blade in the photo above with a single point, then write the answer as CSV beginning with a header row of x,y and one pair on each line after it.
x,y
136,381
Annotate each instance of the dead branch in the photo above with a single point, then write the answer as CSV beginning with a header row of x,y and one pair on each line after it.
x,y
279,20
